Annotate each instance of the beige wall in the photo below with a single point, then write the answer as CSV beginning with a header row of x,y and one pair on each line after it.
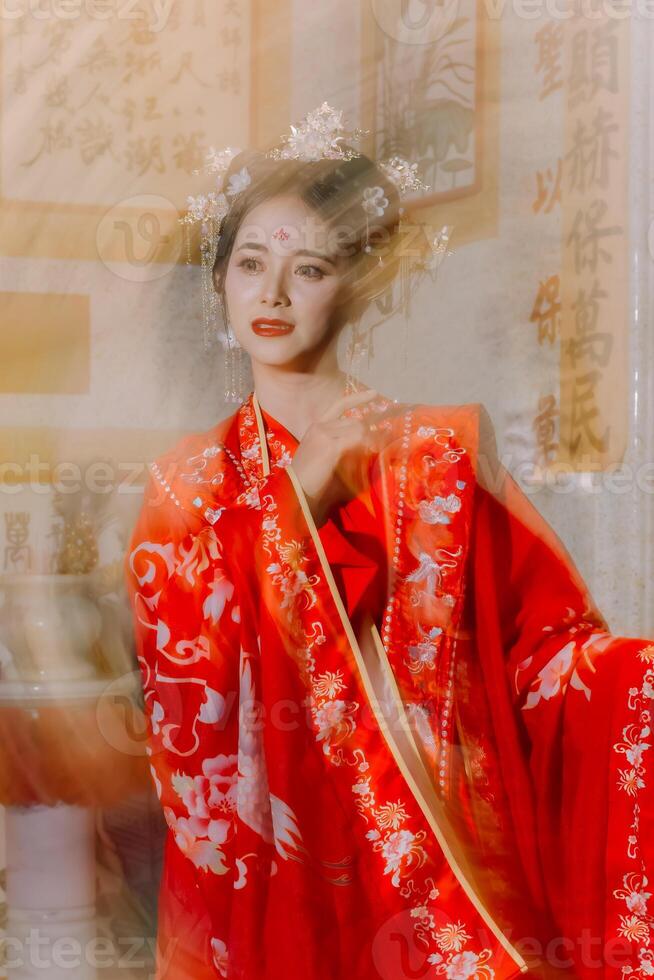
x,y
136,372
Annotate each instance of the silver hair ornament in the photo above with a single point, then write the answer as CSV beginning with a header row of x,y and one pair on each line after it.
x,y
319,136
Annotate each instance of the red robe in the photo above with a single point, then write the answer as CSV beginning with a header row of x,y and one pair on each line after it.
x,y
459,789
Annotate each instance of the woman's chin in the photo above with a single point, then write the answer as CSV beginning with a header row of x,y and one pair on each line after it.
x,y
275,354
276,351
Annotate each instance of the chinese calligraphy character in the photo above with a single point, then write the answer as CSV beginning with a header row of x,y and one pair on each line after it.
x,y
590,152
549,40
588,342
191,152
17,557
548,195
95,139
587,246
546,310
231,37
186,65
100,58
144,156
230,81
137,63
584,411
593,67
55,137
545,428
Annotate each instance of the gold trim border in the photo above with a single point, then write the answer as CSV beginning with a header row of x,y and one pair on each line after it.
x,y
263,442
392,744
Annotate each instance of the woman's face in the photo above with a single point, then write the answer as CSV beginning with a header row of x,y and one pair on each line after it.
x,y
284,284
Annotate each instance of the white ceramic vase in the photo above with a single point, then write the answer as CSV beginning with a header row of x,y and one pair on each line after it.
x,y
48,627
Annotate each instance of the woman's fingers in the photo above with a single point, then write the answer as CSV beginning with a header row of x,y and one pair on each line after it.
x,y
351,432
333,458
347,401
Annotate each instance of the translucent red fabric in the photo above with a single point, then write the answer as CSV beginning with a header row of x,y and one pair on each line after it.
x,y
502,824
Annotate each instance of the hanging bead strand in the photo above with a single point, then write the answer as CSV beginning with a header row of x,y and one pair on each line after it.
x,y
387,623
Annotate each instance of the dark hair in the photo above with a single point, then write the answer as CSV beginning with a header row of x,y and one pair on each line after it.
x,y
334,190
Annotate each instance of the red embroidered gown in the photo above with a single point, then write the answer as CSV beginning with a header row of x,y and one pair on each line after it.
x,y
485,811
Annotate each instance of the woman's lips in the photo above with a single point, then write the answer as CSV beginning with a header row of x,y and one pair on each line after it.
x,y
271,328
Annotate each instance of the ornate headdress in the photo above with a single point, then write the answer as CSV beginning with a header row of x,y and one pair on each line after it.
x,y
320,136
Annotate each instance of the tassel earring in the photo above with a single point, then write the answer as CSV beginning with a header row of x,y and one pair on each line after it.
x,y
234,362
235,368
210,300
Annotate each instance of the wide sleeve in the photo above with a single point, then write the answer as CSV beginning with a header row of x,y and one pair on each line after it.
x,y
186,632
572,702
208,589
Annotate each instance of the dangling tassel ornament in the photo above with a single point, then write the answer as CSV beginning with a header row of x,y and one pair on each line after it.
x,y
208,248
234,362
405,289
358,352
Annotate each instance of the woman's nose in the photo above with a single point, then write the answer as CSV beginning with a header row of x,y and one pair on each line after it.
x,y
274,290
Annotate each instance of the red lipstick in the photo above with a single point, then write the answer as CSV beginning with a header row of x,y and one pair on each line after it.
x,y
266,326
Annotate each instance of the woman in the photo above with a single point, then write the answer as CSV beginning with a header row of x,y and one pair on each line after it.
x,y
390,731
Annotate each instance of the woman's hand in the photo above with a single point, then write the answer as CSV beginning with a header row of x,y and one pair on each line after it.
x,y
327,460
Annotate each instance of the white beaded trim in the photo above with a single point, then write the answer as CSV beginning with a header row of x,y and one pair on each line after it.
x,y
446,723
221,447
167,487
387,621
387,626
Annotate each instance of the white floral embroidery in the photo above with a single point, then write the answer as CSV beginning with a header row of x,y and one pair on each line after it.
x,y
430,571
452,937
560,671
452,960
198,556
438,509
423,654
221,591
156,716
463,965
329,718
219,953
420,716
261,810
397,845
637,926
401,847
329,684
210,801
139,558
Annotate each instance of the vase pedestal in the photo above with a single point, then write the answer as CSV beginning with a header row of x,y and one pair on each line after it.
x,y
51,922
67,748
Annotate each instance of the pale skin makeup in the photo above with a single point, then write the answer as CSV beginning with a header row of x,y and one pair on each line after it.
x,y
281,267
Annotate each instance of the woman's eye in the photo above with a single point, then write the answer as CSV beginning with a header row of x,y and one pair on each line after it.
x,y
311,271
249,264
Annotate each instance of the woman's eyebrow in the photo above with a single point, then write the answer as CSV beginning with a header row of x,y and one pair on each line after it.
x,y
315,255
255,245
302,251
